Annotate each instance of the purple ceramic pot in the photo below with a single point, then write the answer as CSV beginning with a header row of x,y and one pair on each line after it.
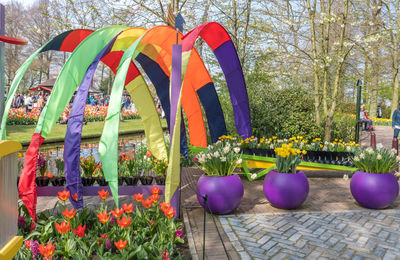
x,y
224,193
373,190
286,190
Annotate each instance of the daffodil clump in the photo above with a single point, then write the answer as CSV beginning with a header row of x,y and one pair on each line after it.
x,y
88,166
220,159
381,160
288,158
160,166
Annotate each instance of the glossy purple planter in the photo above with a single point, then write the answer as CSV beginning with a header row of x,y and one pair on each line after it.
x,y
374,191
286,190
224,193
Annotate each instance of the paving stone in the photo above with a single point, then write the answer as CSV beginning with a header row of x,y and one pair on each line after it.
x,y
360,234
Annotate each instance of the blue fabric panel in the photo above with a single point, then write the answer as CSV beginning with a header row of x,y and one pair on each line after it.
x,y
56,42
215,117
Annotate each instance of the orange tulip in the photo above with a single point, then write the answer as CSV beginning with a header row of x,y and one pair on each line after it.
x,y
147,203
50,175
63,228
164,205
63,195
155,190
138,197
117,212
169,212
69,214
75,196
128,208
154,198
120,244
80,231
103,194
48,250
103,217
124,222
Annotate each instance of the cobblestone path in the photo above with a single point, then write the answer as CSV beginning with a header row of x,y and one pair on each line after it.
x,y
353,234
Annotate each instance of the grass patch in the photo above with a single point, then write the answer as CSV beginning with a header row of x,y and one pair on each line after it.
x,y
23,133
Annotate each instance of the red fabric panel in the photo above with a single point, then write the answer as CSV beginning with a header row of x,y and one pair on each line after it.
x,y
112,61
74,39
212,33
27,185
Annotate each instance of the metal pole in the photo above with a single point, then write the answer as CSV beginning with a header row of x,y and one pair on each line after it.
x,y
2,87
357,133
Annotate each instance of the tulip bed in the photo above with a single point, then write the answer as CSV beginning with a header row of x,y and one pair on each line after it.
x,y
18,116
143,229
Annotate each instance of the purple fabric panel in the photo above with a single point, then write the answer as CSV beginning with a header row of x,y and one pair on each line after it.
x,y
72,145
175,84
230,64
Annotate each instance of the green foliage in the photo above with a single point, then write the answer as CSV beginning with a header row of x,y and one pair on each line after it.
x,y
380,160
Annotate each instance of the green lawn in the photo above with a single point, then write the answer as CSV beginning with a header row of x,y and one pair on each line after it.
x,y
23,133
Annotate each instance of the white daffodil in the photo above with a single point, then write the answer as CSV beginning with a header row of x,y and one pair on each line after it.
x,y
356,159
345,177
226,149
397,158
271,146
201,160
223,159
203,156
236,149
216,154
369,150
379,146
348,148
253,176
379,157
239,161
362,156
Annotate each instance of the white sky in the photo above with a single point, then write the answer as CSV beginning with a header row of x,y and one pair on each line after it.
x,y
24,2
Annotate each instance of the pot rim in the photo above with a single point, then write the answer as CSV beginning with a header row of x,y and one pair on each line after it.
x,y
373,173
204,175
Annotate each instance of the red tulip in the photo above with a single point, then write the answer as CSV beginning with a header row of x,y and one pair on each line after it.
x,y
80,231
63,228
120,244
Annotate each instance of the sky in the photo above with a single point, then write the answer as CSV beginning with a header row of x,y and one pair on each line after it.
x,y
24,2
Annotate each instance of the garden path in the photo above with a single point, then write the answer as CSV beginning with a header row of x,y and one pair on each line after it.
x,y
384,135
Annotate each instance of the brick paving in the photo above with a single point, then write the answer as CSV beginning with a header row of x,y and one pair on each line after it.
x,y
349,234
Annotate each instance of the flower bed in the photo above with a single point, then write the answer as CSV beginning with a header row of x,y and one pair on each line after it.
x,y
18,116
142,229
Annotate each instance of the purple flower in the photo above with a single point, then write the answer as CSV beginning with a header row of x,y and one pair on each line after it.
x,y
112,219
108,243
178,233
41,161
21,221
34,248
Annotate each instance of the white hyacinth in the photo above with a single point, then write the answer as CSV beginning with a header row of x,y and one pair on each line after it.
x,y
236,149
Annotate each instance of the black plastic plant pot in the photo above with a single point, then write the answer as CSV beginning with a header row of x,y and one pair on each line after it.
x,y
57,181
160,180
102,182
146,180
131,180
42,181
120,181
18,180
88,181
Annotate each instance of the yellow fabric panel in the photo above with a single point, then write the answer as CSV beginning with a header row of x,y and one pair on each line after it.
x,y
144,103
11,248
9,147
127,37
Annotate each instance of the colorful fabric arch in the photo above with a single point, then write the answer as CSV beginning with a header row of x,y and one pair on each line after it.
x,y
221,43
66,41
71,75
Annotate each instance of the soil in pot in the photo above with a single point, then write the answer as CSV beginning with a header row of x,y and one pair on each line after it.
x,y
131,180
102,182
88,181
57,181
160,179
146,180
42,181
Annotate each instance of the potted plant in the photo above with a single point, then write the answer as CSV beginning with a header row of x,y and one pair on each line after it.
x,y
159,169
99,175
121,168
285,187
42,179
59,180
131,170
374,185
88,166
147,165
222,188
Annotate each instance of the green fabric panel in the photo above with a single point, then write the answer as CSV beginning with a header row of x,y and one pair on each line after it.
x,y
14,86
108,146
72,74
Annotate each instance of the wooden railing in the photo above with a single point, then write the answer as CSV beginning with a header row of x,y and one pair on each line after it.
x,y
9,242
